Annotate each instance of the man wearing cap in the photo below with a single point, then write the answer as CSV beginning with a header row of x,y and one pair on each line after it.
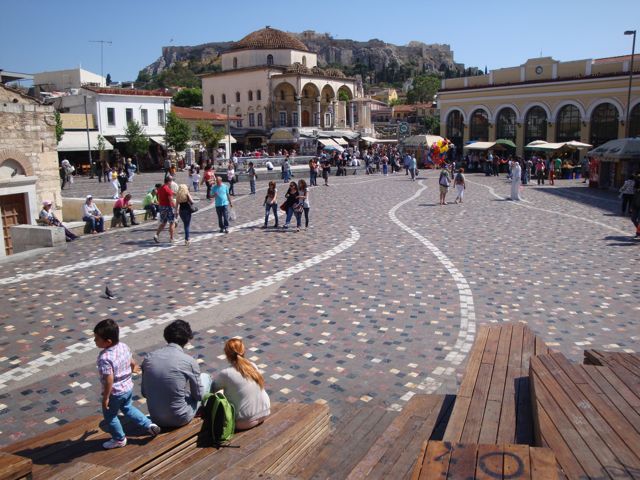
x,y
46,217
92,215
166,205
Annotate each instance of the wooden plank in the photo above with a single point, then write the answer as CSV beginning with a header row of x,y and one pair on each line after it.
x,y
463,461
87,471
13,467
490,462
517,462
513,420
543,464
609,426
415,475
491,347
453,432
436,461
473,423
473,364
500,364
571,450
491,421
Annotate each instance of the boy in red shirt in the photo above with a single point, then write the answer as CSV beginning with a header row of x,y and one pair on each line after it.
x,y
166,206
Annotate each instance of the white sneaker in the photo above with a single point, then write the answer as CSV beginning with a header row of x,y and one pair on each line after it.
x,y
156,238
110,444
153,429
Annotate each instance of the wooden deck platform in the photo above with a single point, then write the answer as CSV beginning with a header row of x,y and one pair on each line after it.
x,y
588,417
460,461
493,403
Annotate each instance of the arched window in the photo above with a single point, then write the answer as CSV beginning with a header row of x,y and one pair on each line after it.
x,y
237,96
455,127
235,62
269,59
250,96
304,60
479,126
535,125
634,122
568,124
604,124
259,119
506,124
258,95
224,98
212,99
282,97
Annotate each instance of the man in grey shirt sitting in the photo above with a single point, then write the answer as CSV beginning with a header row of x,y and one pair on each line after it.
x,y
171,379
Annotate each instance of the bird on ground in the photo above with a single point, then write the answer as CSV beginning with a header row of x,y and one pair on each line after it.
x,y
108,293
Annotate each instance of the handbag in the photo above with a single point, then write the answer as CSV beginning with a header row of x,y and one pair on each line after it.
x,y
193,208
283,207
299,208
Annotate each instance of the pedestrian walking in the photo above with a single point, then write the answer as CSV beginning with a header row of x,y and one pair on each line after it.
x,y
220,193
286,169
313,174
166,206
115,184
185,209
231,176
460,185
635,211
251,171
444,182
540,171
516,172
626,193
413,168
326,170
194,176
208,179
303,201
271,203
291,198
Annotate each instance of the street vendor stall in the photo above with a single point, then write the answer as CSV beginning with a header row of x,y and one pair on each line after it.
x,y
428,149
611,163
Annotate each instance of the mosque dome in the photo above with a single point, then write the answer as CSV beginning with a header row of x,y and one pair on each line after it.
x,y
269,39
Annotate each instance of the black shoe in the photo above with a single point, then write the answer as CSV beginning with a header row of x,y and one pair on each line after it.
x,y
226,230
135,223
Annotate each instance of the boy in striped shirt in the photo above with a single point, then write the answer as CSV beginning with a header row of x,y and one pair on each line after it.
x,y
115,366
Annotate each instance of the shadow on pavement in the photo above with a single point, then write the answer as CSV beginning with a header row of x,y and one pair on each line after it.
x,y
623,241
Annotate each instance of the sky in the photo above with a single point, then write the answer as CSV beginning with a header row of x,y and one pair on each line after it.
x,y
43,35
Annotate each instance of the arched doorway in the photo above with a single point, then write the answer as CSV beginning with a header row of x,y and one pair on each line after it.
x,y
14,207
568,124
604,124
284,105
306,118
344,114
506,124
535,125
634,121
479,126
310,105
327,98
454,128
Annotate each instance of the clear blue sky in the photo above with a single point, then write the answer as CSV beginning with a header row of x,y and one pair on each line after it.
x,y
41,35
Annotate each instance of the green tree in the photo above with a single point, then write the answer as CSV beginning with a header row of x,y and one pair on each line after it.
x,y
343,96
433,125
137,142
59,128
178,132
188,97
207,135
423,89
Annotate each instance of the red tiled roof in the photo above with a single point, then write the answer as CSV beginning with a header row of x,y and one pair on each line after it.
x,y
619,58
269,39
195,114
128,91
404,108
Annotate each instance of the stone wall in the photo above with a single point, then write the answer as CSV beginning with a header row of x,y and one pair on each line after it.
x,y
27,135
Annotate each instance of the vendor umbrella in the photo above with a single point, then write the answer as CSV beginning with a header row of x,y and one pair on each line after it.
x,y
576,144
506,142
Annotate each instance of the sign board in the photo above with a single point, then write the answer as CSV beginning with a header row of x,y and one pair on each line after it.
x,y
403,128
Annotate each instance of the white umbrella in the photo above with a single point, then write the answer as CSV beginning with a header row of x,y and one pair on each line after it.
x,y
576,144
622,148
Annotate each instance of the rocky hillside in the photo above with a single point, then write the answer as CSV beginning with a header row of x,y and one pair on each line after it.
x,y
375,60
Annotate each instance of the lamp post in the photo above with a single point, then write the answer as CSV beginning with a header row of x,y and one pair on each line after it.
x,y
228,134
633,52
86,120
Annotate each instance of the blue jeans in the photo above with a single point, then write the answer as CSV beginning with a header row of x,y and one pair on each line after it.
x,y
97,224
286,175
223,217
289,215
267,209
252,185
313,176
185,216
122,403
384,169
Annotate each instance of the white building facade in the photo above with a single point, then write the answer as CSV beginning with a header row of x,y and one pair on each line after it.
x,y
63,80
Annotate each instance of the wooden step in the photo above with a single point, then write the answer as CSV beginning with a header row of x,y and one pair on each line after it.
x,y
87,471
352,436
395,452
13,467
455,461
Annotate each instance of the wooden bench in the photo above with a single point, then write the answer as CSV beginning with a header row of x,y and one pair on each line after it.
x,y
493,402
626,361
588,416
182,452
13,467
460,461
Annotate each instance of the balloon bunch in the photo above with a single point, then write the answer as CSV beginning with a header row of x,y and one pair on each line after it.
x,y
439,150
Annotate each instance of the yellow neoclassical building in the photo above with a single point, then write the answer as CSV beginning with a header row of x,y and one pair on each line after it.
x,y
543,99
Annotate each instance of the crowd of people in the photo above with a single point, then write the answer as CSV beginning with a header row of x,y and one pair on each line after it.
x,y
172,383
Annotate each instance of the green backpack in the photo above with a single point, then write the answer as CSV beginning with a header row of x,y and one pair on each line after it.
x,y
222,415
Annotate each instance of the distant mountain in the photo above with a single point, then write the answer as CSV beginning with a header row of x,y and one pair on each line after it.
x,y
375,60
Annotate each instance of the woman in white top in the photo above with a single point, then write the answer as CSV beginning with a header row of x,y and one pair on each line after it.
x,y
231,177
243,386
303,201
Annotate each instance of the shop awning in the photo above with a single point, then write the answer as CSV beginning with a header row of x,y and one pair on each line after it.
x,y
369,139
340,141
121,139
326,142
227,139
77,142
421,140
158,140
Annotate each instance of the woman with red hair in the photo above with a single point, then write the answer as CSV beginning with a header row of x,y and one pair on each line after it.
x,y
243,386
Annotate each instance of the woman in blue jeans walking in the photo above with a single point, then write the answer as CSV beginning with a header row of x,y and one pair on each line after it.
x,y
291,198
270,203
184,201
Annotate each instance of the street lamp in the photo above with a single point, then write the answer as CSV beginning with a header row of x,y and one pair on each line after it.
x,y
228,134
86,120
633,52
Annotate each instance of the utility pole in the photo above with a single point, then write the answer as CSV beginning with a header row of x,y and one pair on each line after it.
x,y
102,42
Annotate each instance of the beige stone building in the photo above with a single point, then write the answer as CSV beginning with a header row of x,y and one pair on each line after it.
x,y
543,99
271,81
28,162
